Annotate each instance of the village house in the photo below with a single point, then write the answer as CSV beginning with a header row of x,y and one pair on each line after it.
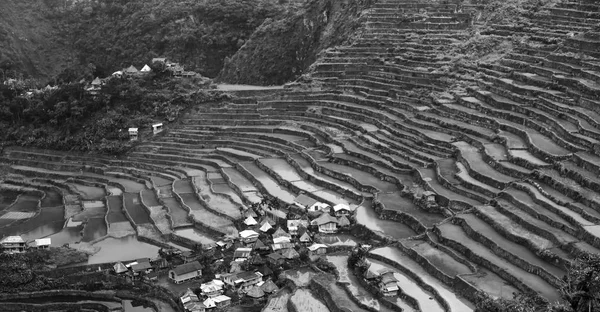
x,y
146,69
281,246
212,289
185,272
250,221
188,256
305,238
152,276
317,249
217,302
269,287
343,222
304,201
275,259
326,223
265,226
243,280
242,254
131,70
248,236
341,210
319,207
294,225
120,268
290,254
281,236
256,293
143,267
265,272
388,284
259,246
13,244
41,243
191,302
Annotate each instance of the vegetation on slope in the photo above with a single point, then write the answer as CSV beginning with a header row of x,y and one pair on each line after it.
x,y
30,46
70,118
580,292
282,49
112,34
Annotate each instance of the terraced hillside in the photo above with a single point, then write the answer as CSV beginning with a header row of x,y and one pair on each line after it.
x,y
508,146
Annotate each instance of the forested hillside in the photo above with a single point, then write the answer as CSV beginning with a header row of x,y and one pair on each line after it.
x,y
281,49
30,44
199,34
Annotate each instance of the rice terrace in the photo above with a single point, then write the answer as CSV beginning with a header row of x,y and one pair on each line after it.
x,y
446,154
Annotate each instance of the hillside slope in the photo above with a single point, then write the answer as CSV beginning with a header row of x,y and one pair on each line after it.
x,y
29,41
281,50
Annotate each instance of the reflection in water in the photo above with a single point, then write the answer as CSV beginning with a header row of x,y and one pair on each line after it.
x,y
366,216
66,236
122,249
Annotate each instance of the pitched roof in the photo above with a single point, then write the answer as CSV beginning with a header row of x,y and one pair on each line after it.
x,y
264,270
142,266
276,247
209,303
274,256
318,206
281,233
246,276
290,253
255,292
97,81
250,213
194,306
305,200
130,69
257,260
221,298
305,238
269,287
324,219
247,233
119,268
12,240
259,245
250,221
316,246
187,268
265,227
146,69
343,221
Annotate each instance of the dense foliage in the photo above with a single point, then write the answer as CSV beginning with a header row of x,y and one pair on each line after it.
x,y
580,292
282,49
70,118
113,34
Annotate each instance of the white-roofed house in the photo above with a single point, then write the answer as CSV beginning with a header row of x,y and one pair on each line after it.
x,y
250,221
319,206
317,249
13,244
248,236
342,210
326,223
212,289
41,243
185,272
146,69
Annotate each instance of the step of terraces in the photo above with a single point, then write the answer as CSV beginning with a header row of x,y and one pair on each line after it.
x,y
454,236
402,262
513,229
544,227
222,205
266,183
511,251
471,157
456,196
199,212
285,174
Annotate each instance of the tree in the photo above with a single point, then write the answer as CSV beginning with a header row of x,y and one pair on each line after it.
x,y
582,284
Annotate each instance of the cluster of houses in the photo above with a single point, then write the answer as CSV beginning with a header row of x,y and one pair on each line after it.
x,y
16,244
175,69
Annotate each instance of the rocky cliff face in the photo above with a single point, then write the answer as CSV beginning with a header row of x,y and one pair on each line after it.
x,y
281,50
